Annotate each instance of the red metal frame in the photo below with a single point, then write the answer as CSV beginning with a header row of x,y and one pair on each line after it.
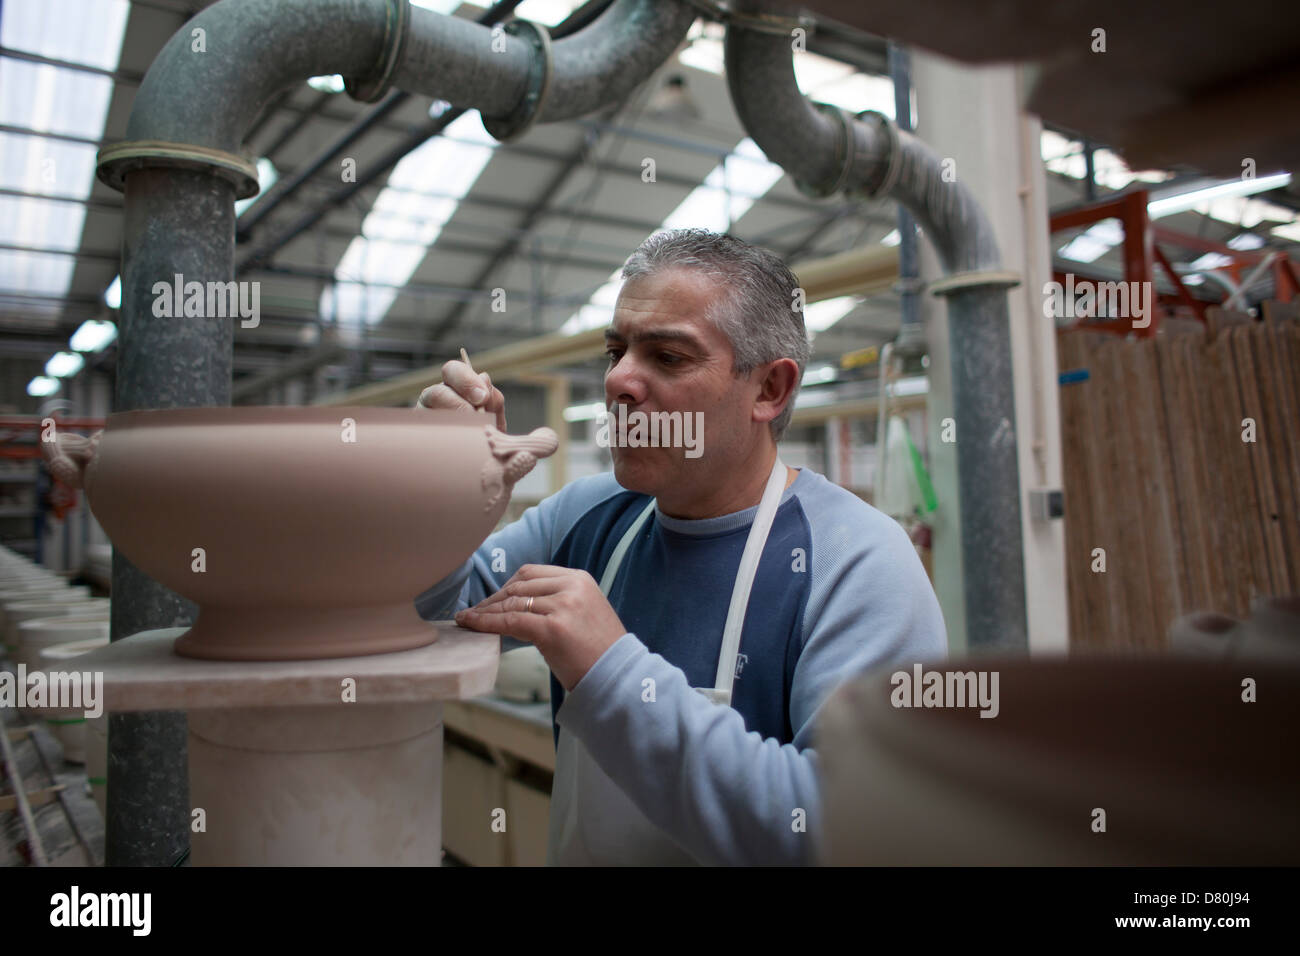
x,y
1142,253
12,424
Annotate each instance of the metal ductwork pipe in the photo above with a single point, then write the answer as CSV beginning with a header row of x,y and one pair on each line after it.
x,y
181,168
910,342
826,150
515,74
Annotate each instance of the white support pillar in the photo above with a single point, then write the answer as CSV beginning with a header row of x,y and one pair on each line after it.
x,y
972,116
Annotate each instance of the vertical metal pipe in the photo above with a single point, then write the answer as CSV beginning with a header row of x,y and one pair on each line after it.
x,y
811,144
911,336
177,222
1089,171
988,475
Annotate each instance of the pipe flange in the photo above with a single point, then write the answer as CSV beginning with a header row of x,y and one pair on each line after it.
x,y
894,161
520,119
960,281
845,148
115,161
372,87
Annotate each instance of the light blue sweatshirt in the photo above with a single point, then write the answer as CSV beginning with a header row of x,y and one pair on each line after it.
x,y
839,590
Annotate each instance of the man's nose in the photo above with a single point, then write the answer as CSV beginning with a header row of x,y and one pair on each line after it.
x,y
625,383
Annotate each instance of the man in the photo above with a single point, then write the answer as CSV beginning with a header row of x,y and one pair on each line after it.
x,y
648,770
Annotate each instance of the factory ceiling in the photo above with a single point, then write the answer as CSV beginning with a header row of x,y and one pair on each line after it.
x,y
386,253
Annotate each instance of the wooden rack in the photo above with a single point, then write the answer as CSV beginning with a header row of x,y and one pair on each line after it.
x,y
1161,474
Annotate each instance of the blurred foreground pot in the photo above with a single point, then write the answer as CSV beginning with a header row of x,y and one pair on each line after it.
x,y
299,532
1150,761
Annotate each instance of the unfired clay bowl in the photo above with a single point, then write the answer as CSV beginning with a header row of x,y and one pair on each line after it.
x,y
317,526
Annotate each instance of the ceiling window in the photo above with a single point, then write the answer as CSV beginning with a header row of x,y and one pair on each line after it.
x,y
45,98
729,190
405,221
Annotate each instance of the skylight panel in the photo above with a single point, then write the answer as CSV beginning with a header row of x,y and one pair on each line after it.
x,y
54,99
40,223
746,174
1290,231
33,273
1085,248
728,191
1065,157
832,81
820,316
1212,260
402,224
1053,146
1091,245
705,51
446,7
330,83
599,309
80,31
857,92
1245,241
49,167
547,12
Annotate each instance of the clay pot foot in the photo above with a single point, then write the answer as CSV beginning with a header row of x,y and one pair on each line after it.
x,y
289,634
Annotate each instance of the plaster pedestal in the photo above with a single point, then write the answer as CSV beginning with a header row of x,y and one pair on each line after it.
x,y
317,763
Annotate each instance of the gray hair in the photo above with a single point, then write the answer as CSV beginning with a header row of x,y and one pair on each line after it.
x,y
761,314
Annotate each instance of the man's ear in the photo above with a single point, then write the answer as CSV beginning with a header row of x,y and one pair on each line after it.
x,y
776,388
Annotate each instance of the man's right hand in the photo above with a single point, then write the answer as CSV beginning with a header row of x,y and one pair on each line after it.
x,y
462,387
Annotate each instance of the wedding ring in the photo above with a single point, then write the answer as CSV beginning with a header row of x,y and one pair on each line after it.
x,y
529,608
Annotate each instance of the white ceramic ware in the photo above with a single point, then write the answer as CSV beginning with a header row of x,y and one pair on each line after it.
x,y
71,726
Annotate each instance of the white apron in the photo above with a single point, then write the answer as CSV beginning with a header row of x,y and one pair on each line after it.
x,y
592,820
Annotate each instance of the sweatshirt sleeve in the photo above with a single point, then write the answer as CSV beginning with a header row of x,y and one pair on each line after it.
x,y
726,795
533,539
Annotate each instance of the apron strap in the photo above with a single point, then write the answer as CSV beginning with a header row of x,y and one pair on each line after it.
x,y
754,545
616,559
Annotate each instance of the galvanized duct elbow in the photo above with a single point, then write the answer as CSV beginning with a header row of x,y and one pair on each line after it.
x,y
614,55
214,76
515,76
826,150
465,63
217,73
799,137
949,214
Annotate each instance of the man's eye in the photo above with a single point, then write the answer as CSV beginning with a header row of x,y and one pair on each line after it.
x,y
668,358
613,354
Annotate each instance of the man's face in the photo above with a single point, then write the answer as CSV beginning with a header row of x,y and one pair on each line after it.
x,y
666,356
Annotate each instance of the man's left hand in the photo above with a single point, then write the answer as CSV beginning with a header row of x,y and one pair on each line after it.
x,y
559,610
